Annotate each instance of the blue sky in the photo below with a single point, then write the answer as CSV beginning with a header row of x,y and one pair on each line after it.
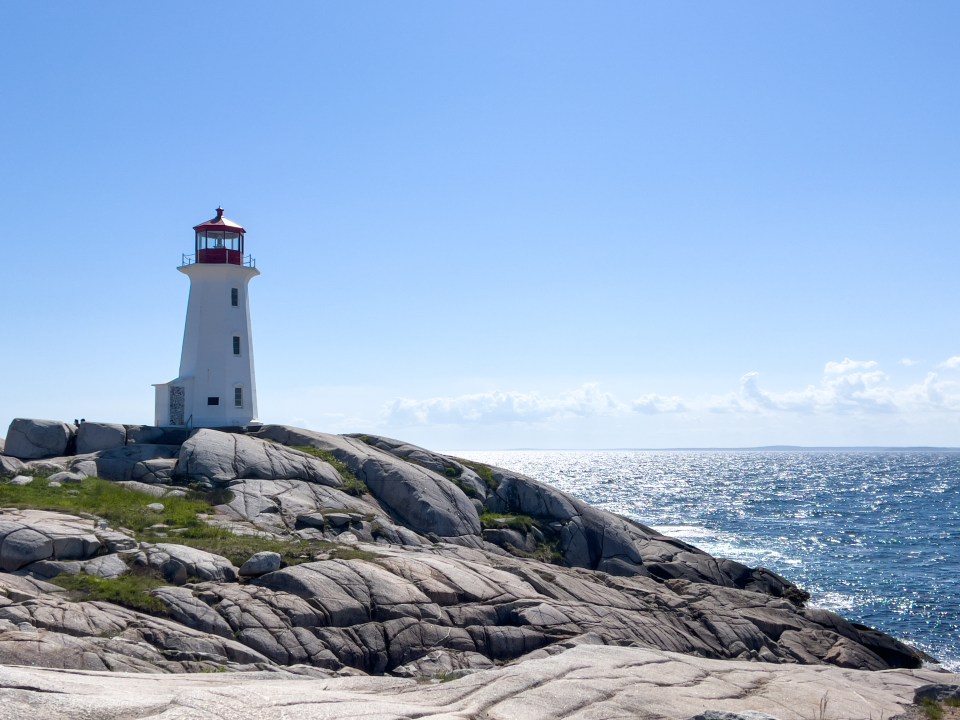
x,y
498,224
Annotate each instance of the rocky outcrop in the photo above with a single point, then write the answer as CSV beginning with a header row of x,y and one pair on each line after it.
x,y
32,439
417,497
93,437
220,458
396,576
28,536
9,466
581,680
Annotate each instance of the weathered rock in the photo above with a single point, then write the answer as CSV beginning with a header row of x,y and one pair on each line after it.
x,y
123,462
150,435
32,535
94,437
179,563
21,480
9,466
601,683
44,467
220,458
69,478
87,467
22,546
154,507
159,470
29,439
105,566
724,715
260,563
420,499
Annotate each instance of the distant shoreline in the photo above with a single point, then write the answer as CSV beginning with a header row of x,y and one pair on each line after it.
x,y
762,448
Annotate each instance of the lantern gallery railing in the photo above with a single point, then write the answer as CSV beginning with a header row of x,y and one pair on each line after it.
x,y
218,255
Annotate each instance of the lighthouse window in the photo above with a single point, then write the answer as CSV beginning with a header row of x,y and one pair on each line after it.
x,y
213,401
236,344
238,397
234,296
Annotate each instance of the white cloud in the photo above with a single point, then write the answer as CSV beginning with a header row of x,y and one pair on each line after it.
x,y
846,387
654,404
847,365
907,362
500,407
951,363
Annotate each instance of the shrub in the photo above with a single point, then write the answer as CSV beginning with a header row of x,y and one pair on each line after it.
x,y
484,471
131,590
352,485
505,520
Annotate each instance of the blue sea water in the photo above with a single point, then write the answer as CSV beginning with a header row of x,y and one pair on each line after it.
x,y
872,535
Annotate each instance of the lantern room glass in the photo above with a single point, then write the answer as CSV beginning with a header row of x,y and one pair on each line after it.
x,y
219,246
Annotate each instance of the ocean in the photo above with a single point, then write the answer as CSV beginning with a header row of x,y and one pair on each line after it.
x,y
871,535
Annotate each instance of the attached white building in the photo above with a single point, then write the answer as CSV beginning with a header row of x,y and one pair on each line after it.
x,y
216,386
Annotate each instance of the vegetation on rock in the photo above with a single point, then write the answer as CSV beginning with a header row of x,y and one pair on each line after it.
x,y
131,591
352,485
120,506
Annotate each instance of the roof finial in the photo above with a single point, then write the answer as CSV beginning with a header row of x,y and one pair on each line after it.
x,y
219,212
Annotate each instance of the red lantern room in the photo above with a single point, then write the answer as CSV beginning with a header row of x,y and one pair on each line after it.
x,y
220,241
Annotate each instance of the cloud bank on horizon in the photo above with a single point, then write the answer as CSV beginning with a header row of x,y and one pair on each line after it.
x,y
846,387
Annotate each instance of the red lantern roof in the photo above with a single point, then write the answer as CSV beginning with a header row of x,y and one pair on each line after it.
x,y
219,223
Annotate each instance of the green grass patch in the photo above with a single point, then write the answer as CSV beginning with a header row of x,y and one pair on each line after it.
x,y
131,591
484,471
504,520
238,548
931,709
123,507
352,485
120,506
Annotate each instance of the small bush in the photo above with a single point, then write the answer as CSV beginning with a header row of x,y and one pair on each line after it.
x,y
131,591
352,485
484,471
504,520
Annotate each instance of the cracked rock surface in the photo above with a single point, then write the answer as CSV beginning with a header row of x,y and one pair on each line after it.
x,y
563,611
581,682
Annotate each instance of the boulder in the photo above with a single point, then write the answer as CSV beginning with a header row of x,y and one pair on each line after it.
x,y
105,566
94,437
178,564
29,439
87,467
220,458
21,480
23,546
27,536
260,563
69,478
122,463
9,466
159,470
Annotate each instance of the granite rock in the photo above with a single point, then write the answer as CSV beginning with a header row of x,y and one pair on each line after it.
x,y
29,439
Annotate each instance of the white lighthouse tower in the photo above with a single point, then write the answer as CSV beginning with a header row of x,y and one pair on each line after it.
x,y
216,386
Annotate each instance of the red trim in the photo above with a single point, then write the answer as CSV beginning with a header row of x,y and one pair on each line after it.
x,y
220,256
219,227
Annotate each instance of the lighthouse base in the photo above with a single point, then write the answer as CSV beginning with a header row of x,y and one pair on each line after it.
x,y
176,406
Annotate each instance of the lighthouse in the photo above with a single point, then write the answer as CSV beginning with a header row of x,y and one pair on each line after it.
x,y
216,386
